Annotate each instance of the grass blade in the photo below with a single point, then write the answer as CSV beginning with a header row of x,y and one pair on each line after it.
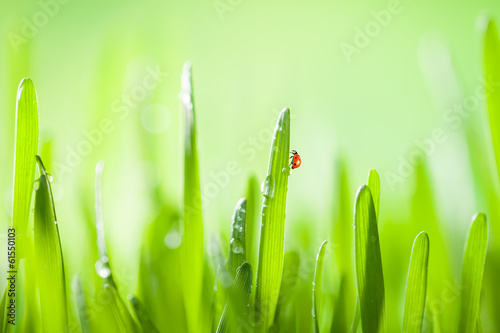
x,y
192,242
252,236
316,293
81,304
234,312
142,315
272,232
492,73
416,286
237,252
49,258
369,276
472,274
374,185
26,145
122,319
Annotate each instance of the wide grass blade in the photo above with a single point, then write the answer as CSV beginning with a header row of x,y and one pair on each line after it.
x,y
49,258
492,74
318,278
234,315
472,274
237,249
142,315
272,232
192,240
369,275
416,286
26,144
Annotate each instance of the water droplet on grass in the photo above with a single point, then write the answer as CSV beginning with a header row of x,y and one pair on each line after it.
x,y
102,268
236,246
173,239
50,178
267,187
36,184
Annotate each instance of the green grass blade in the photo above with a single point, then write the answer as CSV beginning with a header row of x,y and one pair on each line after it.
x,y
316,293
288,289
272,232
233,315
142,315
356,319
472,274
416,286
50,265
192,242
26,145
492,73
81,304
237,249
123,321
252,236
374,185
369,276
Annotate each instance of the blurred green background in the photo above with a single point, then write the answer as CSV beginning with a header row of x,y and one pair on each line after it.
x,y
374,108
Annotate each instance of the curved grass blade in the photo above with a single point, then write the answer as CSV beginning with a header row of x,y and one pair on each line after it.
x,y
369,275
374,185
472,274
272,232
122,318
237,250
492,73
416,286
316,292
192,243
26,144
142,315
81,304
233,315
49,258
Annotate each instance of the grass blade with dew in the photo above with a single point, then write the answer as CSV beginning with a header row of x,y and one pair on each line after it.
x,y
192,255
142,315
492,75
416,285
472,274
49,258
316,291
234,312
272,232
369,275
122,318
81,304
374,186
237,250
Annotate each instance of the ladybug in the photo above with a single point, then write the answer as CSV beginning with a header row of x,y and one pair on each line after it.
x,y
295,160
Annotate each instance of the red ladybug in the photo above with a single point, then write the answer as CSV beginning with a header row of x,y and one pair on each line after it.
x,y
295,160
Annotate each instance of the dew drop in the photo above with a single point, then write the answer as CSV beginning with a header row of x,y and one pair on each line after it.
x,y
36,184
267,187
353,226
173,239
102,267
236,246
50,178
